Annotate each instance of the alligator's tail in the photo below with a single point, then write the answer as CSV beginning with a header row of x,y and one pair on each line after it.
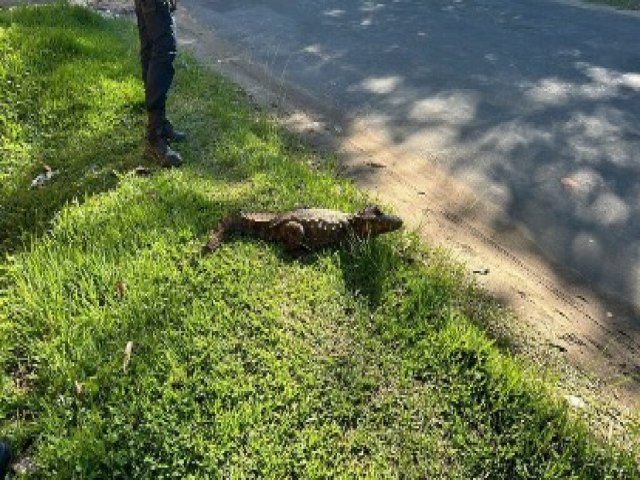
x,y
215,239
217,236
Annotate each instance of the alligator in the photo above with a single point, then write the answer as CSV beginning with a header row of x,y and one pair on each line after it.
x,y
305,228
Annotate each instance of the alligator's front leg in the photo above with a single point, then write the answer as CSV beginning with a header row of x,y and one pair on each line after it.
x,y
292,235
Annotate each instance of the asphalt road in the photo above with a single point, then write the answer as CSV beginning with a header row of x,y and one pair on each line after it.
x,y
535,105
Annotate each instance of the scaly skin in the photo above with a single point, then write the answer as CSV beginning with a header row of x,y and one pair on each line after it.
x,y
306,228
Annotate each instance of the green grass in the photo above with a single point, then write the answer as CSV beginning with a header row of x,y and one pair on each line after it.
x,y
621,4
368,362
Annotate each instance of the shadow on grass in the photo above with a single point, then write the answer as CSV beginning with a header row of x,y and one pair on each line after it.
x,y
30,210
67,107
152,223
423,285
79,110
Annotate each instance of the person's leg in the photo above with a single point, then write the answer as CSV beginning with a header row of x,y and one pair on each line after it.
x,y
161,70
5,459
159,30
145,42
168,131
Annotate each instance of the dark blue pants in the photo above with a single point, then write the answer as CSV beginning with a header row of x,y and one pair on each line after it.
x,y
157,51
5,459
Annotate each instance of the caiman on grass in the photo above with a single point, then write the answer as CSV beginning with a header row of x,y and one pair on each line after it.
x,y
306,228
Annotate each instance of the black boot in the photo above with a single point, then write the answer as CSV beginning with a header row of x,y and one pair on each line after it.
x,y
5,459
171,134
157,148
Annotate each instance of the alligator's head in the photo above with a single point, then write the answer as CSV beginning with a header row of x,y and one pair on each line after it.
x,y
373,221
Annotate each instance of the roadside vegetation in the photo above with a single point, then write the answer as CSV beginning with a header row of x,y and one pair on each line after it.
x,y
621,4
127,354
